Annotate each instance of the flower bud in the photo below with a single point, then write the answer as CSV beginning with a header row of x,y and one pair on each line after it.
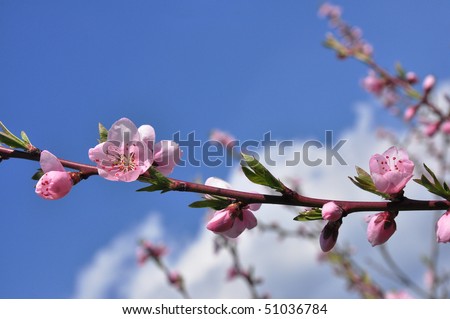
x,y
329,235
409,113
445,127
411,77
428,83
443,228
331,211
381,227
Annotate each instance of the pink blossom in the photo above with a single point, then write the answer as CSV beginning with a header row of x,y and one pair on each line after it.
x,y
235,218
373,84
391,171
56,182
410,113
428,83
148,250
227,140
411,77
126,154
328,10
443,228
380,228
167,155
431,128
329,235
175,279
331,211
445,127
397,295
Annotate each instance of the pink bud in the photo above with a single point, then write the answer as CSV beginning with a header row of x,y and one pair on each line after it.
x,y
431,128
175,279
391,171
329,235
443,228
331,211
56,182
381,227
445,127
409,113
148,250
428,83
373,84
411,77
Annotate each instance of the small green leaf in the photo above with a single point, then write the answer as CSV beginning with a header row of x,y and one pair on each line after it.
x,y
210,203
157,179
11,141
365,182
103,132
309,214
434,186
25,137
258,174
37,175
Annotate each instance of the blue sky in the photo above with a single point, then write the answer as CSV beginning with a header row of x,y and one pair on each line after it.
x,y
246,67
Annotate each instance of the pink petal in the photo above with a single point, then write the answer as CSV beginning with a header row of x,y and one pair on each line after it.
x,y
50,162
147,135
123,130
374,163
221,221
166,155
254,206
249,219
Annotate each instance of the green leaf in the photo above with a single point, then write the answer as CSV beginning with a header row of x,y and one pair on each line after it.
x,y
25,137
435,185
103,132
37,175
365,182
8,138
210,203
309,214
258,174
157,179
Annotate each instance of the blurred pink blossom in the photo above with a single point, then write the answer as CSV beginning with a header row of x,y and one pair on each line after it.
x,y
328,10
391,171
227,140
445,127
397,295
373,84
428,83
56,182
148,250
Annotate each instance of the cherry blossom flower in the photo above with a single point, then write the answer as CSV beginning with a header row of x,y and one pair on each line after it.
x,y
235,218
391,171
331,211
445,127
126,154
380,228
443,228
56,182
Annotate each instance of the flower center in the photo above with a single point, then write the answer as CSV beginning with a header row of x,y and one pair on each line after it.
x,y
390,164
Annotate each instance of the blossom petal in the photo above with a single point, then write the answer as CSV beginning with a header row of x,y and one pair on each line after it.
x,y
123,130
50,162
147,135
166,156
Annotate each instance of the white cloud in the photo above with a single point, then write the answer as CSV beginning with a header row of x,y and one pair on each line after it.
x,y
289,268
